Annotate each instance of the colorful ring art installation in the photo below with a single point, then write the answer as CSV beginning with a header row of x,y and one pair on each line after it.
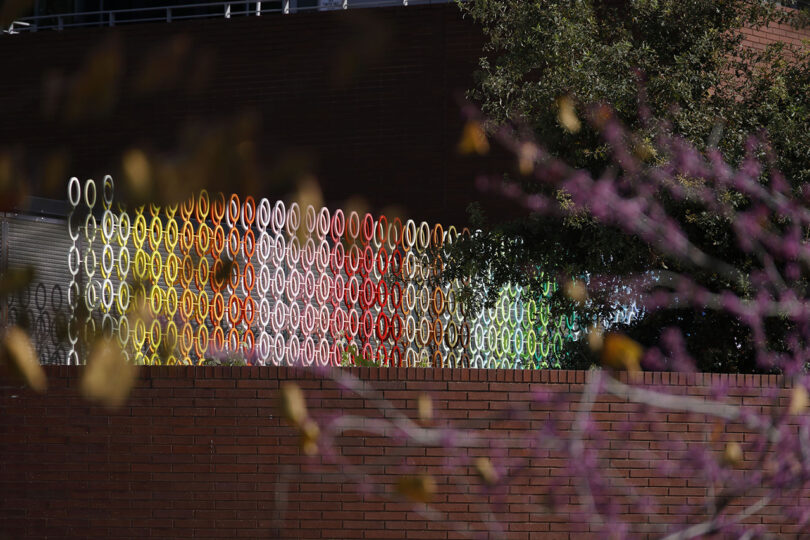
x,y
221,275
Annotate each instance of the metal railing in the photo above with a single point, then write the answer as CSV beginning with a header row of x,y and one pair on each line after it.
x,y
180,12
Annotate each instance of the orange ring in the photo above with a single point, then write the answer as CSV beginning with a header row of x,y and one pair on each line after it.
x,y
217,309
187,237
249,270
249,202
202,206
218,241
438,331
235,275
203,240
218,338
232,218
234,310
201,275
218,208
438,304
202,307
249,301
438,235
438,359
154,209
187,303
217,277
233,337
249,333
249,234
187,208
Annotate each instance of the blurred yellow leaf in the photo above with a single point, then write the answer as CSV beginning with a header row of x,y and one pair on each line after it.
x,y
22,359
309,437
733,454
527,154
293,406
619,352
798,400
486,471
473,140
425,408
567,115
419,488
108,377
576,291
137,173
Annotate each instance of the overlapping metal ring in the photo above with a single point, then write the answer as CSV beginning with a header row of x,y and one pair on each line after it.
x,y
221,275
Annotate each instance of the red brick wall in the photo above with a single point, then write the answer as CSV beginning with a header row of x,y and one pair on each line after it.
x,y
202,453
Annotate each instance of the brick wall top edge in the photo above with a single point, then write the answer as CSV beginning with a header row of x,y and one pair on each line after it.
x,y
432,374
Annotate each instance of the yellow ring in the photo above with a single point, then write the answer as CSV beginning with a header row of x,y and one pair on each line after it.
x,y
139,333
139,231
122,238
186,339
156,299
156,266
171,235
155,238
122,298
155,334
202,305
170,341
170,302
171,269
141,267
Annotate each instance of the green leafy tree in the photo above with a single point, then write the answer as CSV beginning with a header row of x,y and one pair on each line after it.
x,y
664,66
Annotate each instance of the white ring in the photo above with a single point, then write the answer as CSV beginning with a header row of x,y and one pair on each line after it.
x,y
90,269
308,354
279,348
264,346
293,219
107,225
264,279
74,192
74,260
88,200
124,269
310,219
264,213
107,260
108,188
279,216
90,224
264,312
323,223
265,246
91,295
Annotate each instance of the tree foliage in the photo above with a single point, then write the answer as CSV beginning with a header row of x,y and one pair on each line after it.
x,y
665,67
